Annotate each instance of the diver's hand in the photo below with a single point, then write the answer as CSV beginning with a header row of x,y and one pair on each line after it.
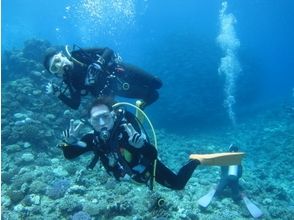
x,y
70,135
49,88
135,139
126,178
93,72
52,89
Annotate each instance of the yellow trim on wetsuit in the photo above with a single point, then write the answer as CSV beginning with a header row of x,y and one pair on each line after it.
x,y
152,128
126,154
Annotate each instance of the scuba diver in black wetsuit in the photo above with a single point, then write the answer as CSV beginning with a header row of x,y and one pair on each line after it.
x,y
230,176
123,149
98,71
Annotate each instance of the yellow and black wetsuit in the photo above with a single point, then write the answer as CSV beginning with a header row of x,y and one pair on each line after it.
x,y
120,158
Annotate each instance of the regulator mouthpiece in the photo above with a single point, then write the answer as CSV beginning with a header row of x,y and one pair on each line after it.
x,y
104,134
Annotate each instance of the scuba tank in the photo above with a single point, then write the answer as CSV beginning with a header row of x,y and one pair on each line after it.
x,y
233,170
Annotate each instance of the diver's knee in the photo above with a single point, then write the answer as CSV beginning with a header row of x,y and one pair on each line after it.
x,y
156,83
152,97
178,186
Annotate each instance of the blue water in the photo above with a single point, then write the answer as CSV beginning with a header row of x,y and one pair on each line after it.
x,y
228,75
178,42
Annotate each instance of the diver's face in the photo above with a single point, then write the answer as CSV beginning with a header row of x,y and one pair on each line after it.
x,y
58,63
101,118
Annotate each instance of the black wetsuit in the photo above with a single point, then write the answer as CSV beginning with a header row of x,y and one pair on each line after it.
x,y
115,78
229,181
127,158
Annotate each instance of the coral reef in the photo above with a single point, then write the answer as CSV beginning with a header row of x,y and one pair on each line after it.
x,y
15,196
34,49
37,181
58,188
81,216
70,205
123,208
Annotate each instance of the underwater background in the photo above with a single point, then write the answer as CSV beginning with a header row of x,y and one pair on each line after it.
x,y
228,78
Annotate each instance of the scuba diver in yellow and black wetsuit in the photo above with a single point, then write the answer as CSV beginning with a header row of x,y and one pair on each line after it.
x,y
100,72
123,148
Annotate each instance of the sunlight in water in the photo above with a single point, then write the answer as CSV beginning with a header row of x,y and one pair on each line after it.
x,y
110,11
229,64
96,18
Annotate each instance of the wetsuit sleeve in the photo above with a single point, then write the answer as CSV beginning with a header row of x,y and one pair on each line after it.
x,y
73,151
74,99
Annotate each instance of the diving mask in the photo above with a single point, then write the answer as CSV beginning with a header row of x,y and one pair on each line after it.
x,y
58,63
102,120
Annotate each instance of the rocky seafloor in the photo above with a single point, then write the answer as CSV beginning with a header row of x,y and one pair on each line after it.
x,y
38,183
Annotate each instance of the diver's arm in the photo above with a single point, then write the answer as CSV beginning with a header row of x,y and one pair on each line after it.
x,y
73,101
71,151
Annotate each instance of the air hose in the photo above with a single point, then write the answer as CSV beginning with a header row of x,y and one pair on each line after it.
x,y
151,126
71,57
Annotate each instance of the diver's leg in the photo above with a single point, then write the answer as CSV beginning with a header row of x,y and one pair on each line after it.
x,y
146,94
220,187
167,178
150,97
236,193
137,75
